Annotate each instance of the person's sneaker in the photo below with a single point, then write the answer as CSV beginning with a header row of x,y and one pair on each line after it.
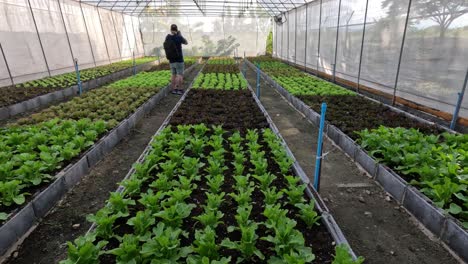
x,y
180,91
174,91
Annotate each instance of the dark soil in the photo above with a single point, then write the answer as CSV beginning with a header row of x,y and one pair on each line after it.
x,y
355,113
12,95
221,68
232,109
47,243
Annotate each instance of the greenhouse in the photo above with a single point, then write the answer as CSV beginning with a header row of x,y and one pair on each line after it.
x,y
221,131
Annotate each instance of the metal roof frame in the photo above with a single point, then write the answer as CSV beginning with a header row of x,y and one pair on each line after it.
x,y
211,8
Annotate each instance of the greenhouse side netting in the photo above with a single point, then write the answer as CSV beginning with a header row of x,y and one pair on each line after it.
x,y
209,36
415,50
39,38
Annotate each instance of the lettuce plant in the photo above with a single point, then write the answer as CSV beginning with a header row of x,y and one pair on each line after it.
x,y
243,215
174,214
286,238
104,220
196,259
205,243
308,214
214,201
84,250
141,222
247,243
342,256
272,195
243,196
215,182
295,193
10,192
128,251
164,245
151,200
119,204
265,180
210,218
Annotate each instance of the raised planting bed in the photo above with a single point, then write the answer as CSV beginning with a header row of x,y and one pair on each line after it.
x,y
209,194
30,95
221,60
431,163
220,81
50,158
221,68
210,107
111,103
366,114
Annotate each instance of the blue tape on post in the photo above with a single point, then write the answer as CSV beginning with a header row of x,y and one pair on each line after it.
x,y
459,102
318,158
457,110
78,78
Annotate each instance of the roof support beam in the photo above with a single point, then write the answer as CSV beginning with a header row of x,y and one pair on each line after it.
x,y
196,3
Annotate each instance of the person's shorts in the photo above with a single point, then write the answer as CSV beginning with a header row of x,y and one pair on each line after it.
x,y
177,68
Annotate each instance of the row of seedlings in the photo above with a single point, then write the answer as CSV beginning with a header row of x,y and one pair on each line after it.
x,y
414,152
212,188
30,89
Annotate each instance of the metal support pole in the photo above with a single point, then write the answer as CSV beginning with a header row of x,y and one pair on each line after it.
x,y
78,78
305,44
362,47
319,33
318,156
258,81
282,37
134,63
401,53
276,40
66,32
287,50
87,33
295,37
103,35
453,124
336,42
39,37
6,64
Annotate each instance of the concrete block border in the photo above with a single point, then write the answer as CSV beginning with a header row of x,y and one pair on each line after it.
x,y
443,226
456,237
7,112
24,219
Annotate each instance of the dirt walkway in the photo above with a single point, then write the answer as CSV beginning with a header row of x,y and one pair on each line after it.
x,y
375,226
47,243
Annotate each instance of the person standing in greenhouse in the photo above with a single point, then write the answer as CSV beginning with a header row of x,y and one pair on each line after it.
x,y
173,49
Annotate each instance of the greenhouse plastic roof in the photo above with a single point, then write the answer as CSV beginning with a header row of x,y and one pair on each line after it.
x,y
228,8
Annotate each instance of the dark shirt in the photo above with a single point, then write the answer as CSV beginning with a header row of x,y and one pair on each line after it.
x,y
178,40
